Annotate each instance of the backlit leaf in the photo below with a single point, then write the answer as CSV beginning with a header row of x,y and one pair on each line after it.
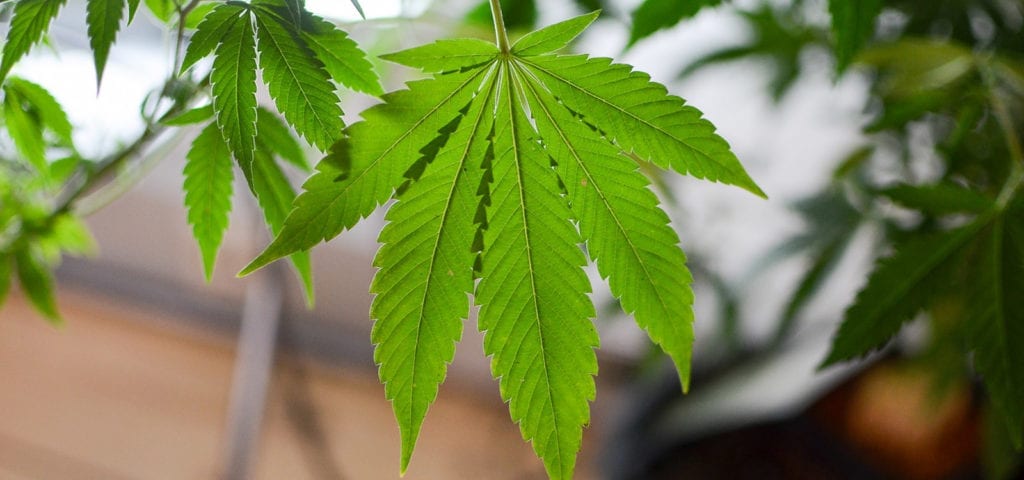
x,y
30,21
208,184
297,81
104,20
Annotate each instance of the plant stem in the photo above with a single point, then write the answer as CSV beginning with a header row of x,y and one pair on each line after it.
x,y
499,27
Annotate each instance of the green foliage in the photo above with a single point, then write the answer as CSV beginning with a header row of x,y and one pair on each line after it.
x,y
104,20
341,57
995,318
37,282
190,117
476,191
233,79
519,14
776,37
939,199
900,287
298,82
853,23
29,23
208,177
42,105
654,15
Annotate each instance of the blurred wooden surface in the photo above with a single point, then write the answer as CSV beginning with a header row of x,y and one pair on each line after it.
x,y
125,393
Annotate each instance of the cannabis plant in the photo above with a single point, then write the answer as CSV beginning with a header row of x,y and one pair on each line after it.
x,y
510,166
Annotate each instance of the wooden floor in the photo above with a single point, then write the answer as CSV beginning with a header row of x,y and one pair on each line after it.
x,y
125,393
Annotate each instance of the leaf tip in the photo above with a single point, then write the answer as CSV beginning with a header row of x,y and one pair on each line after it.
x,y
256,264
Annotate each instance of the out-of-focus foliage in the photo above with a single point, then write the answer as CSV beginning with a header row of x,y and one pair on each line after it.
x,y
955,69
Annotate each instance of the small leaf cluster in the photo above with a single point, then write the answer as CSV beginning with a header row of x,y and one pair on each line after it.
x,y
300,57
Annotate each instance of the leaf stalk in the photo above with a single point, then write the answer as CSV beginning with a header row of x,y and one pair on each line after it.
x,y
499,27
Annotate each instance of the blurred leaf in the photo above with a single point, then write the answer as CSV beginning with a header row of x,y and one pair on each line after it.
x,y
999,458
72,236
37,283
30,22
823,263
654,15
939,199
104,20
359,8
995,318
913,66
518,14
900,286
50,112
25,132
853,24
6,277
163,10
776,37
133,6
190,117
198,14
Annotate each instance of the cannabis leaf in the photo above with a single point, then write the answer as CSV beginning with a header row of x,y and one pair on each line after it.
x,y
654,15
30,21
297,80
900,287
208,177
995,318
503,163
853,24
104,20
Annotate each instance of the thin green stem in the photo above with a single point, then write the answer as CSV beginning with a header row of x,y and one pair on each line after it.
x,y
499,27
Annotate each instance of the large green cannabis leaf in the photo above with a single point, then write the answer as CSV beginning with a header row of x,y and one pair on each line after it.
x,y
503,164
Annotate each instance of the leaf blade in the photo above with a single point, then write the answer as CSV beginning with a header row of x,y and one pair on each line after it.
x,y
640,116
233,81
654,15
208,189
853,23
897,289
209,33
341,56
30,21
364,168
445,55
297,81
438,281
534,313
553,37
995,320
103,18
627,233
37,283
